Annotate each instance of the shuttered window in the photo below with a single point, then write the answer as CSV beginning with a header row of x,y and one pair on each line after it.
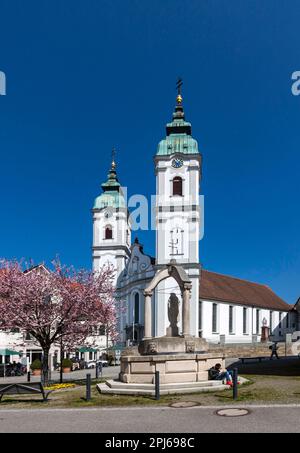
x,y
257,322
136,308
108,232
271,322
215,318
245,321
177,186
231,319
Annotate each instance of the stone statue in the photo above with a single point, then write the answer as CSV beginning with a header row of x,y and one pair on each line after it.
x,y
173,314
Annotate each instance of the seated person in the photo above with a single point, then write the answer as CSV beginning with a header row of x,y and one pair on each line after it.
x,y
216,373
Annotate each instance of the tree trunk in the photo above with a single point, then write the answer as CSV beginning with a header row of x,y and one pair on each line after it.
x,y
45,366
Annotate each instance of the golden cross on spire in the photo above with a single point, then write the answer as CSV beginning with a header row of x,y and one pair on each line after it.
x,y
179,84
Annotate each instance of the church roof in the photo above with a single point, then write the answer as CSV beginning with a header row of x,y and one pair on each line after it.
x,y
177,143
224,288
179,135
110,199
112,195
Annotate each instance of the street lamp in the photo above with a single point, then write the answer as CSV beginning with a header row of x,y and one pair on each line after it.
x,y
61,360
106,340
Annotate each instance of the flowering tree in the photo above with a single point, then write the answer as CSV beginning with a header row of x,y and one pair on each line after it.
x,y
61,304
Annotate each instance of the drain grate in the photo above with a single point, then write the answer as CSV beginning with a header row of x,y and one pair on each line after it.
x,y
184,404
234,412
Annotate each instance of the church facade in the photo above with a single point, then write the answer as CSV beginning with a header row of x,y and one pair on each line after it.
x,y
222,308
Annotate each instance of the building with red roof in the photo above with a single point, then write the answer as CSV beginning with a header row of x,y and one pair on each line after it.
x,y
223,308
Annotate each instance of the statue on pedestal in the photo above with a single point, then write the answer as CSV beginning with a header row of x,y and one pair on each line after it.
x,y
265,331
173,315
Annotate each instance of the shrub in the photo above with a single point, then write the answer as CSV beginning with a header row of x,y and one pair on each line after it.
x,y
67,363
36,365
111,358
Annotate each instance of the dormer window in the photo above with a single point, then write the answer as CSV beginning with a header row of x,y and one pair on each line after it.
x,y
177,186
108,232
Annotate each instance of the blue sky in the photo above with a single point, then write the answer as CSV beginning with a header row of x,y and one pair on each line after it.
x,y
84,76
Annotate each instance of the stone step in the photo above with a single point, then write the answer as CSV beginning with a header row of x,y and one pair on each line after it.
x,y
136,389
113,384
107,390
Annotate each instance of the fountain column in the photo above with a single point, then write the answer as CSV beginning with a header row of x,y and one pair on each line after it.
x,y
148,315
186,295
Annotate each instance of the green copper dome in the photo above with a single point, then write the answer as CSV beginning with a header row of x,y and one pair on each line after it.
x,y
112,195
177,143
179,135
110,199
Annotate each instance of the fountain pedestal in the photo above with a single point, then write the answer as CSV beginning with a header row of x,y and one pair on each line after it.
x,y
180,360
173,368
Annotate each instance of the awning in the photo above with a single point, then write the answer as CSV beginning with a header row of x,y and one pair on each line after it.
x,y
86,349
9,352
117,347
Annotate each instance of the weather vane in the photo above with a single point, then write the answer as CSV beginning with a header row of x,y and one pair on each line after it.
x,y
179,84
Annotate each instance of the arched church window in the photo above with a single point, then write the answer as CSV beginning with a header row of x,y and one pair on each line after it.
x,y
177,186
136,308
108,232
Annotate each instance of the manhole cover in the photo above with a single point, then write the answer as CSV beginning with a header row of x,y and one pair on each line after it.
x,y
184,404
232,412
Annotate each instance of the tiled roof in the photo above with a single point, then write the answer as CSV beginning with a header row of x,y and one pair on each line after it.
x,y
220,287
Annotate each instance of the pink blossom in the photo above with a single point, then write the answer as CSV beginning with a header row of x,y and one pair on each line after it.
x,y
56,304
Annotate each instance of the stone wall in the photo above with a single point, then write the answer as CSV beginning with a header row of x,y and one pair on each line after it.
x,y
249,350
178,368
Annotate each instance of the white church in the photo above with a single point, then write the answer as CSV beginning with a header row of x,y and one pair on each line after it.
x,y
222,308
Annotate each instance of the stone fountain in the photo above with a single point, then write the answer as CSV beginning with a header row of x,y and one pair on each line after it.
x,y
182,360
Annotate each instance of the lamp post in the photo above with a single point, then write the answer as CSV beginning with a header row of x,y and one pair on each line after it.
x,y
61,360
107,340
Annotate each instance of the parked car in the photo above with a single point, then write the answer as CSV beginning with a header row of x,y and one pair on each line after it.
x,y
104,362
92,363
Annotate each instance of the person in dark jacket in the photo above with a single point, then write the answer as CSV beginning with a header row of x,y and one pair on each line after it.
x,y
274,349
216,373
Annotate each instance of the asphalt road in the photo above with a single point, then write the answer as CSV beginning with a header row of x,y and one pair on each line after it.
x,y
110,372
261,419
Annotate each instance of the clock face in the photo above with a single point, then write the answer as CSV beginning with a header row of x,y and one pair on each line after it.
x,y
177,162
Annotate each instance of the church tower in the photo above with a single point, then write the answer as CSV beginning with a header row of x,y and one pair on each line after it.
x,y
178,175
111,227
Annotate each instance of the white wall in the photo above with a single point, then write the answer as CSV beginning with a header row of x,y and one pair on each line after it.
x,y
116,250
189,244
238,336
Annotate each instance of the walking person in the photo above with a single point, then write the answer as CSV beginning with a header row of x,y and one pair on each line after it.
x,y
274,349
